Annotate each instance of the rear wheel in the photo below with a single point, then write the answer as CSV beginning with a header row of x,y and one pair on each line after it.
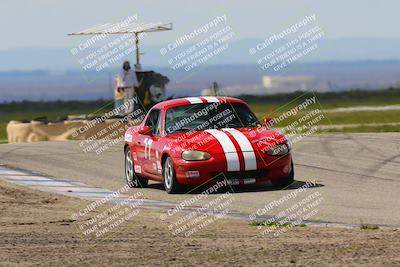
x,y
132,179
170,182
286,181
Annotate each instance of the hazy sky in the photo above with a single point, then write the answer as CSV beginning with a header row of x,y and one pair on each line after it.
x,y
44,23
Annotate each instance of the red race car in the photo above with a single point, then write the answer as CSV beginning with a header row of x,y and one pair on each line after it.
x,y
202,140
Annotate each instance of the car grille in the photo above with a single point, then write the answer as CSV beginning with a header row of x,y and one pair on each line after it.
x,y
240,174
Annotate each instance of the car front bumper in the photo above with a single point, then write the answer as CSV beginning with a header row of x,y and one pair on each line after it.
x,y
213,170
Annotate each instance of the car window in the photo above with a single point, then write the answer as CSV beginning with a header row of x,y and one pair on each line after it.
x,y
153,121
157,129
206,116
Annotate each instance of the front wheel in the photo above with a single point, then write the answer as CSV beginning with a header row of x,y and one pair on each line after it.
x,y
132,179
170,182
286,181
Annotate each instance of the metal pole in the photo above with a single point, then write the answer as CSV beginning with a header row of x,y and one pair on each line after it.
x,y
137,49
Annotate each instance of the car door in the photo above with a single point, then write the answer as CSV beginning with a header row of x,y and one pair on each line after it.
x,y
150,142
141,141
156,148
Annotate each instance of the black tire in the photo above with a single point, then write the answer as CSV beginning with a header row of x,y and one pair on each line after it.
x,y
285,181
171,184
132,179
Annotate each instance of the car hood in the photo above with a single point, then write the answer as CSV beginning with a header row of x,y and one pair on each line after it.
x,y
214,141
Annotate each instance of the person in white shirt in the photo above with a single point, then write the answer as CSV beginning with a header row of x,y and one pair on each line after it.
x,y
128,82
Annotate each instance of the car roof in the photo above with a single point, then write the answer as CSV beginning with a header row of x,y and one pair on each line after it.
x,y
189,100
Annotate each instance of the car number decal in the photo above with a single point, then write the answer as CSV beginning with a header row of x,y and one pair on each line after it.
x,y
147,148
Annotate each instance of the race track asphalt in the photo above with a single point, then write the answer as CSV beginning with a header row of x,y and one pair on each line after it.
x,y
357,175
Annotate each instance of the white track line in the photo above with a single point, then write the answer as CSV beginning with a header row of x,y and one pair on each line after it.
x,y
78,189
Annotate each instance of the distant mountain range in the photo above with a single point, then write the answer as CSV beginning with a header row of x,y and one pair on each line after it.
x,y
76,84
48,74
350,49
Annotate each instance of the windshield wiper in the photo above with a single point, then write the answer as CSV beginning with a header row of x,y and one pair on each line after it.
x,y
230,125
233,125
182,129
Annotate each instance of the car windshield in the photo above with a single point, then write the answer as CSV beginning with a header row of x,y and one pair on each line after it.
x,y
204,116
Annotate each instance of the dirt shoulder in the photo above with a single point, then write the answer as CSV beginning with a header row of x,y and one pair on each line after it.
x,y
37,229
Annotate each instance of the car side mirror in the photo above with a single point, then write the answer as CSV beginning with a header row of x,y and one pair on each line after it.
x,y
145,130
268,122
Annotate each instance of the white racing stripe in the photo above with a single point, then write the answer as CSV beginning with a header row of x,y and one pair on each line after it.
x,y
232,158
211,99
194,100
250,162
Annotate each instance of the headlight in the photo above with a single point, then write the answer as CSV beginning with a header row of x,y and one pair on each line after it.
x,y
195,155
278,150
